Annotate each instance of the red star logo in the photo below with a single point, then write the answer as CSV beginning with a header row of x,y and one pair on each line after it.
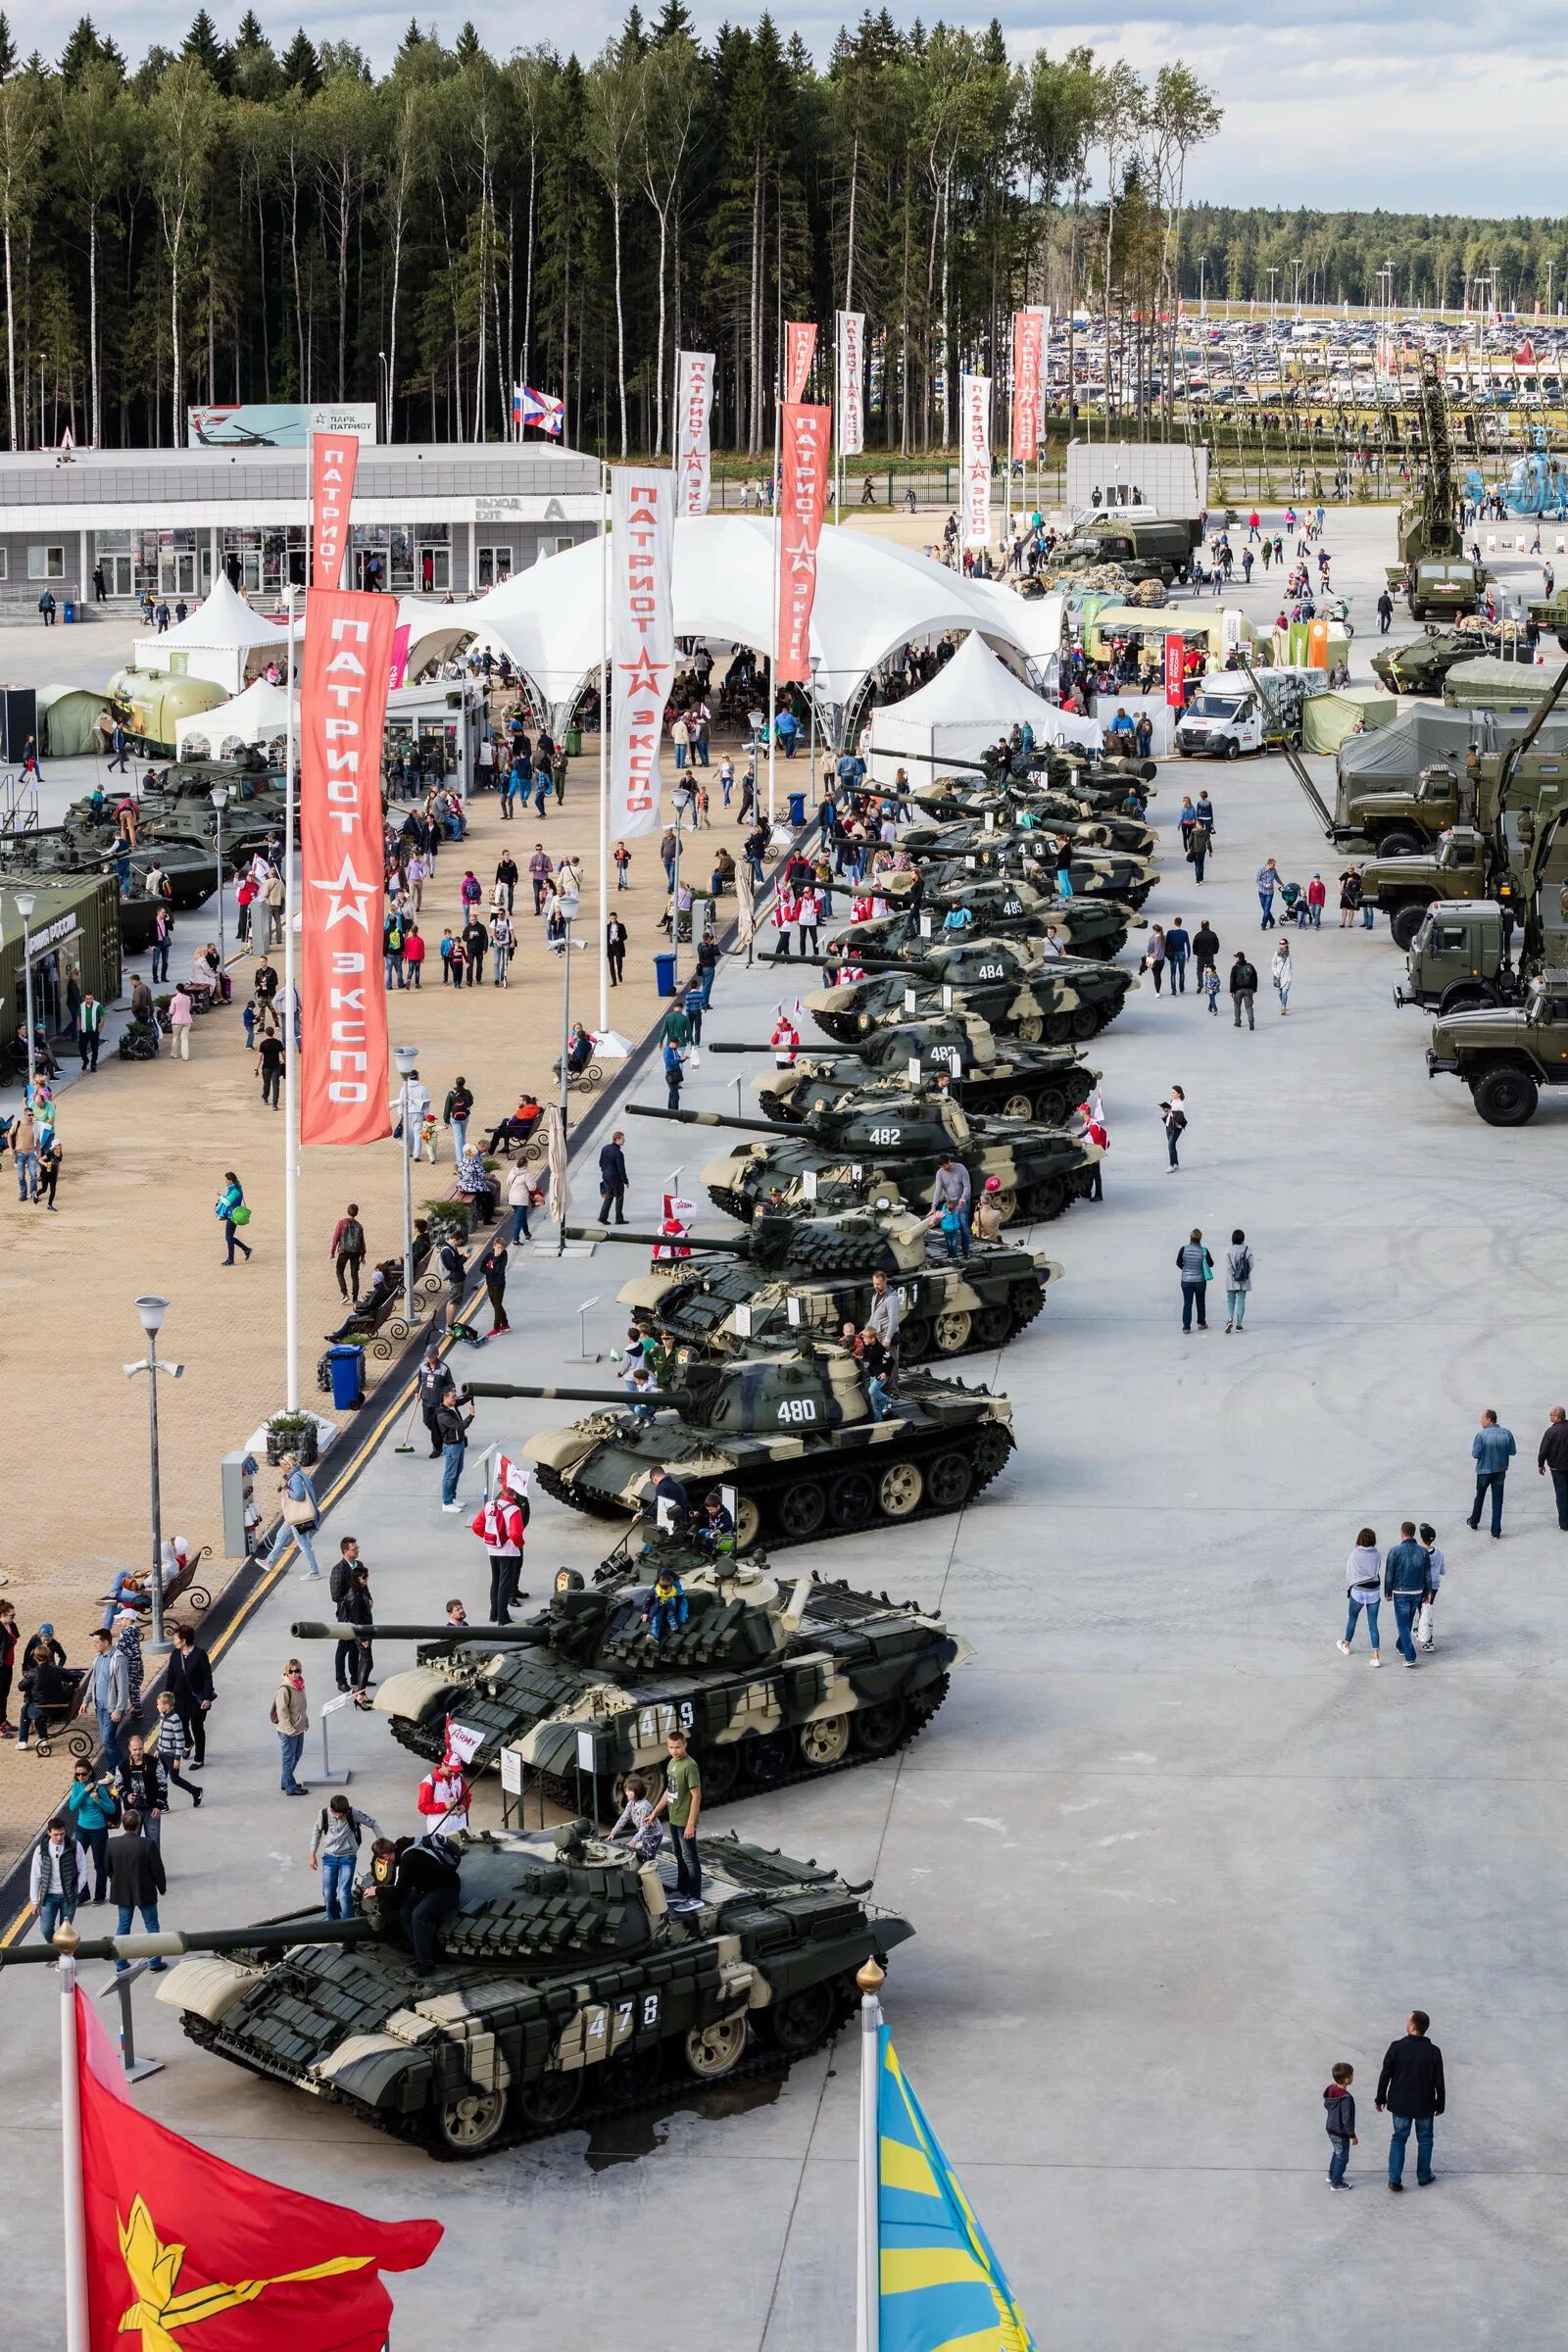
x,y
350,896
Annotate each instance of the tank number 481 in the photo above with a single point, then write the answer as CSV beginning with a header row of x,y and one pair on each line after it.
x,y
798,1408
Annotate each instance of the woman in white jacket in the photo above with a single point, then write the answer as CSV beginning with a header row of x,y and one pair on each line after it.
x,y
1283,972
1363,1586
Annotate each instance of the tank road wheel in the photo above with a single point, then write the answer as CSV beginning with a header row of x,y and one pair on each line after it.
x,y
1018,1106
547,2101
748,1523
915,1339
1082,1025
947,1481
953,1330
798,2022
769,1758
1006,1203
1404,924
879,1728
472,2122
1057,1029
636,2074
824,1742
1506,1097
992,1325
713,2051
720,1769
801,1510
1051,1105
991,1451
1031,1029
1048,1199
899,1490
851,1502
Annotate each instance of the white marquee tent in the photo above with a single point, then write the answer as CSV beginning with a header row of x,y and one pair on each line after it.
x,y
873,598
973,700
257,715
224,639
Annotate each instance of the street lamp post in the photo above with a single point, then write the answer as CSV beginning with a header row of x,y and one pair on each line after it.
x,y
219,795
407,1058
569,905
151,1311
25,902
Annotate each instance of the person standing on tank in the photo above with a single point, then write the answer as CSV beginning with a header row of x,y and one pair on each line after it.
x,y
682,1800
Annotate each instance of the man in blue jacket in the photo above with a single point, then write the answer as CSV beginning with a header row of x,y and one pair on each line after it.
x,y
1407,1583
1491,1450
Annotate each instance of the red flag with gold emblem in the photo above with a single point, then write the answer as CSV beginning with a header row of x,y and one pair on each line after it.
x,y
186,2253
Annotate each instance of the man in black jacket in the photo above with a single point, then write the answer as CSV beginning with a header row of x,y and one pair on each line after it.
x,y
417,1880
613,1180
1553,1457
434,1378
135,1881
1410,2088
343,1567
1244,988
190,1679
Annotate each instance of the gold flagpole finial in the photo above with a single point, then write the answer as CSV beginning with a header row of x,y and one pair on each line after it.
x,y
870,1977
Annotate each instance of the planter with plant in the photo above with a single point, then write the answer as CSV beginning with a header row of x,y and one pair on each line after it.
x,y
292,1433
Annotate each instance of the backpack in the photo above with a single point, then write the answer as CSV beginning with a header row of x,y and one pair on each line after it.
x,y
322,1825
440,1849
1244,1266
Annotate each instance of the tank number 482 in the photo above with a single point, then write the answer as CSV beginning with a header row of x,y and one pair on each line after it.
x,y
798,1408
886,1134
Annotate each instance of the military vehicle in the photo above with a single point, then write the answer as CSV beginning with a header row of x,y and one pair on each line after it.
x,y
997,904
1146,548
1061,999
1420,668
955,1049
1464,956
1024,805
891,1143
570,1981
795,1436
773,1682
1096,870
1433,574
785,1275
1505,1056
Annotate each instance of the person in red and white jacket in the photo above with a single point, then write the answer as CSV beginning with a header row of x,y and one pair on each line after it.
x,y
784,918
785,1042
499,1525
444,1795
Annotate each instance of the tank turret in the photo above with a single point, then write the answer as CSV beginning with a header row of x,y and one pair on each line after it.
x,y
572,1978
1064,998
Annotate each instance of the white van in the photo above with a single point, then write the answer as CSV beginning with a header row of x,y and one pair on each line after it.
x,y
1226,715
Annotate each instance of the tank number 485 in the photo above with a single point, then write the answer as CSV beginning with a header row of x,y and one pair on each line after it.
x,y
798,1408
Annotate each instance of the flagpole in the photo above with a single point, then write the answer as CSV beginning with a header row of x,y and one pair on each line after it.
x,y
869,2271
291,1083
73,2207
604,745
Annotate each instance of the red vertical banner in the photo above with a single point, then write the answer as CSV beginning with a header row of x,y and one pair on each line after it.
x,y
343,1044
333,459
800,349
804,441
1175,669
1028,359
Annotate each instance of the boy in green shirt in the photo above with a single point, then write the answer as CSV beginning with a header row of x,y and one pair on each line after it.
x,y
683,1801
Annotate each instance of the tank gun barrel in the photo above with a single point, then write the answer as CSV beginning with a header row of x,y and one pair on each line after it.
x,y
869,964
315,1629
170,1943
727,1243
702,1118
625,1399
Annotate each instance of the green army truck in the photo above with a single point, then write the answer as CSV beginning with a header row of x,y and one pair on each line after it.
x,y
1506,1055
1149,548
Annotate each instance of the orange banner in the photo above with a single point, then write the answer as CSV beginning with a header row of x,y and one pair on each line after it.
x,y
333,458
1318,645
799,347
803,495
343,1048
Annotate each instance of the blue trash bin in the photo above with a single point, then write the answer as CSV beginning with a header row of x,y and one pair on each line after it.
x,y
664,974
70,612
797,809
346,1368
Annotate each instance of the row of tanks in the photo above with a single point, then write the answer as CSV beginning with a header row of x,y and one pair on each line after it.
x,y
572,1976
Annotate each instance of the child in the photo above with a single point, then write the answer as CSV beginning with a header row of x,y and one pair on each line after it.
x,y
1338,2111
1423,1623
644,1834
168,1744
1211,988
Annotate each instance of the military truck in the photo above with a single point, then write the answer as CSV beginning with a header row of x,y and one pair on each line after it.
x,y
1432,572
1505,1056
1469,953
957,1051
1146,548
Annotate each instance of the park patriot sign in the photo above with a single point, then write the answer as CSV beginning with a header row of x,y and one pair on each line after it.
x,y
974,458
343,1048
642,640
1028,404
800,350
333,458
693,406
852,372
803,494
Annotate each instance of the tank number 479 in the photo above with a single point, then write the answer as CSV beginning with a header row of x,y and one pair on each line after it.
x,y
798,1408
657,1723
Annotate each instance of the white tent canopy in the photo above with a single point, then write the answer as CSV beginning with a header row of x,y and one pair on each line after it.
x,y
973,700
224,639
871,598
257,715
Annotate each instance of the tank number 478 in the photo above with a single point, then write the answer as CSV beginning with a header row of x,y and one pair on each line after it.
x,y
798,1408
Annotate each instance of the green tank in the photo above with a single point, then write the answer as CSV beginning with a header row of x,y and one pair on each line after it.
x,y
891,1142
998,906
957,1050
1000,809
795,1436
1056,1000
569,1980
773,1682
1096,869
1421,666
786,1275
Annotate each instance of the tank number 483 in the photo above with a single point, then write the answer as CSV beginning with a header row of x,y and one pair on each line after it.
x,y
798,1408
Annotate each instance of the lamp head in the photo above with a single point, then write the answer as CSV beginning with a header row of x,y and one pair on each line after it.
x,y
151,1311
219,795
407,1058
26,901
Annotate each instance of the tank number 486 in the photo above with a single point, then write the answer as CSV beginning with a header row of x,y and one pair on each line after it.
x,y
798,1408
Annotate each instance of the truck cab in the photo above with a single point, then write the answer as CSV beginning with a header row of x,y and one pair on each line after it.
x,y
1229,715
1439,585
1506,1057
1405,887
1397,822
1459,958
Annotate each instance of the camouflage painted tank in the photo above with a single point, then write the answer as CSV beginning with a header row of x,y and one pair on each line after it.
x,y
1096,869
1422,665
956,1050
891,1143
997,905
772,1682
1001,809
569,1981
788,1275
793,1435
1060,999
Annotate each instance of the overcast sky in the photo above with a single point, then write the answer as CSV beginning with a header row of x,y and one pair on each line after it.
x,y
1448,108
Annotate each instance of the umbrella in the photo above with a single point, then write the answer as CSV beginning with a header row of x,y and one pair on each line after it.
x,y
746,898
558,1198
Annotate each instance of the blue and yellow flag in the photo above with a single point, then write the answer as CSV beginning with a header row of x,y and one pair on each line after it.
x,y
943,2289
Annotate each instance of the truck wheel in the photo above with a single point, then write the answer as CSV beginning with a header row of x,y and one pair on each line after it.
x,y
1233,749
1468,996
1404,922
1185,749
1506,1097
1401,841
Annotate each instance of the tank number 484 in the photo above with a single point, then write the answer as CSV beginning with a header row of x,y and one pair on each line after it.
x,y
989,971
798,1408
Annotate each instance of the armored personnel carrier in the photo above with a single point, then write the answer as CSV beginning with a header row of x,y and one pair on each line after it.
x,y
1057,999
794,1435
568,1982
891,1145
786,1275
982,908
773,1682
956,1050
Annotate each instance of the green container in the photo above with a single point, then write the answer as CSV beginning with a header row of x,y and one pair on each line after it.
x,y
575,743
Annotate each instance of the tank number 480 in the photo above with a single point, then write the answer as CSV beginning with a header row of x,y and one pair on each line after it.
x,y
798,1408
